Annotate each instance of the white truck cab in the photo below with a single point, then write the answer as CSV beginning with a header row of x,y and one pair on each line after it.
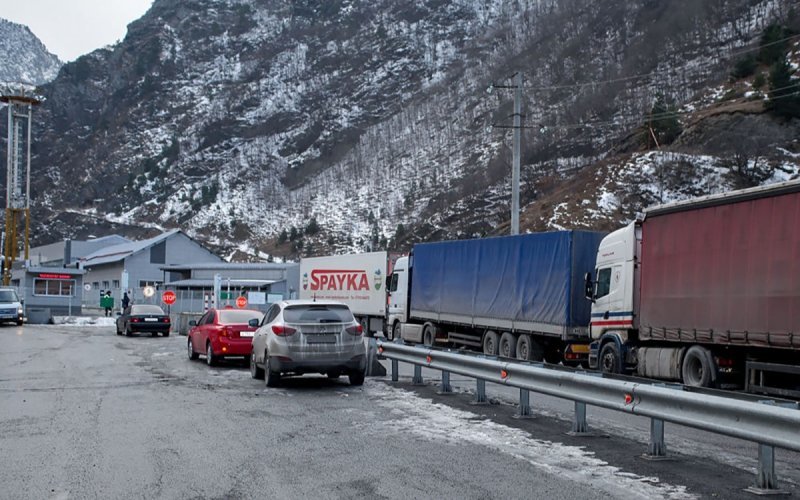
x,y
614,293
398,298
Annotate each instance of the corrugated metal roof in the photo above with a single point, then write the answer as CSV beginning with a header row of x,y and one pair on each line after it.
x,y
230,266
117,253
206,283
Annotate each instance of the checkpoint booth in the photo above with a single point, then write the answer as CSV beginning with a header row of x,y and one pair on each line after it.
x,y
48,291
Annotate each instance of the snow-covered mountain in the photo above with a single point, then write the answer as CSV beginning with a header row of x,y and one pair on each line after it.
x,y
316,126
23,57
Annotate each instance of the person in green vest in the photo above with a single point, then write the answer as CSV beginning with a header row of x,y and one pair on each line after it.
x,y
107,302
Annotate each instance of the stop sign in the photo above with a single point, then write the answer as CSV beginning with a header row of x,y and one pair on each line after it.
x,y
169,297
241,302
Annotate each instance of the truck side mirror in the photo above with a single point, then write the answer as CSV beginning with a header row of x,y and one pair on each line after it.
x,y
192,323
589,287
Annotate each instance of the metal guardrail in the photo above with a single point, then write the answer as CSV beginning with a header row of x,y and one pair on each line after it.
x,y
767,423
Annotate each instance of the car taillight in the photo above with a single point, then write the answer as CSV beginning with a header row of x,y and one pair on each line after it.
x,y
355,329
135,320
166,319
283,330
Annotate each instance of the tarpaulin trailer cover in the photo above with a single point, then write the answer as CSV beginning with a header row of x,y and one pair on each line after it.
x,y
725,274
533,278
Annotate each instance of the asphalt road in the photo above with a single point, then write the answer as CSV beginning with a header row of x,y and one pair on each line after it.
x,y
87,414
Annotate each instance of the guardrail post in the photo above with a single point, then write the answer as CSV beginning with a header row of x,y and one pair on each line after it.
x,y
766,480
524,404
446,387
480,393
395,370
417,380
579,425
657,450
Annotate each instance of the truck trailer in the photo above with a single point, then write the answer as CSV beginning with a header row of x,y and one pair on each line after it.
x,y
358,280
517,296
705,291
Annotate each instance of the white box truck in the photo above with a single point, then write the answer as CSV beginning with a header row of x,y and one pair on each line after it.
x,y
358,280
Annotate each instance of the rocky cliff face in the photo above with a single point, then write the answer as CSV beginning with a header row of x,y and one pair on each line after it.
x,y
308,127
23,57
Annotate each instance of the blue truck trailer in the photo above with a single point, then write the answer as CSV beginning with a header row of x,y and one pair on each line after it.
x,y
517,296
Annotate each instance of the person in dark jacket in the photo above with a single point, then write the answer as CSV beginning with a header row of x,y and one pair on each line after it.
x,y
125,301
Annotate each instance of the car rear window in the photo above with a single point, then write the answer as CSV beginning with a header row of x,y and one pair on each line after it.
x,y
317,314
232,317
146,309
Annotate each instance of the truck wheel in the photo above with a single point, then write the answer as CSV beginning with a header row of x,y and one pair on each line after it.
x,y
389,332
364,322
528,349
610,358
698,367
508,345
490,343
427,336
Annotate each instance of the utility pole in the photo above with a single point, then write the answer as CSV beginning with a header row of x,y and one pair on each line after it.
x,y
517,139
516,153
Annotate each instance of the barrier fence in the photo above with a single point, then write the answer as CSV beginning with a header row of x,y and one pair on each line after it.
x,y
768,423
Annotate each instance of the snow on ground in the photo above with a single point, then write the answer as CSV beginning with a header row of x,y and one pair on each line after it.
x,y
84,320
432,421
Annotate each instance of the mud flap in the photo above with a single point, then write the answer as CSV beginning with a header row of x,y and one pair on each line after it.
x,y
374,367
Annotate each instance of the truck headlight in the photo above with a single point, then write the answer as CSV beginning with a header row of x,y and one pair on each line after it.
x,y
20,311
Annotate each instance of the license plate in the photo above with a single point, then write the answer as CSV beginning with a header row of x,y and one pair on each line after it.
x,y
151,319
321,339
245,334
580,348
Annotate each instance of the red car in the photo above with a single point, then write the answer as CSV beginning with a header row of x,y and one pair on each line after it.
x,y
221,333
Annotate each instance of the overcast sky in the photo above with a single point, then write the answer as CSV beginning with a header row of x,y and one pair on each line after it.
x,y
71,28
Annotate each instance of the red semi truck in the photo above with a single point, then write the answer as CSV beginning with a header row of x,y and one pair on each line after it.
x,y
705,291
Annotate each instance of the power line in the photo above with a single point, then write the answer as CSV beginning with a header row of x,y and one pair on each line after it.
x,y
648,75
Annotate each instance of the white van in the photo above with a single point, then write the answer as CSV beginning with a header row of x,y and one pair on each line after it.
x,y
10,306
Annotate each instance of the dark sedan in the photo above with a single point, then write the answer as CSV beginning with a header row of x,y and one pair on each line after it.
x,y
143,318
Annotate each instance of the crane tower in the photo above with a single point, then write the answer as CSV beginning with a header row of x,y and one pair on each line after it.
x,y
20,102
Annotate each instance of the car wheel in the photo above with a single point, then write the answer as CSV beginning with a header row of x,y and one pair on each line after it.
x,y
116,327
356,377
272,378
529,349
508,345
255,372
490,342
211,360
192,354
19,322
610,360
166,334
698,367
128,331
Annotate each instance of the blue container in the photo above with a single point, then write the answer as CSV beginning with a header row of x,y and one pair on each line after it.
x,y
524,283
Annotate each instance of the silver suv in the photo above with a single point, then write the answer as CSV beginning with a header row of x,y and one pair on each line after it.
x,y
305,336
10,306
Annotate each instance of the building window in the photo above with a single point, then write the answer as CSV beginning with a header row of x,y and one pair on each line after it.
x,y
158,253
58,288
116,284
144,283
96,285
105,285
